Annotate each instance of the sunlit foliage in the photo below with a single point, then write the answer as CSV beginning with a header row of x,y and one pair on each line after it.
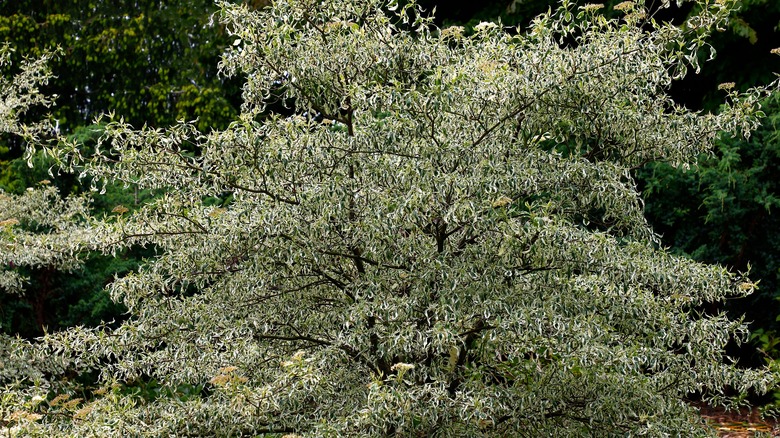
x,y
443,239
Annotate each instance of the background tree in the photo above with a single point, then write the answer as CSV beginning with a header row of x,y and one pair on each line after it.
x,y
155,63
446,241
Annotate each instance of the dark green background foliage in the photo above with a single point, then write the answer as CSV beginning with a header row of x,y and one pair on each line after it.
x,y
153,62
55,300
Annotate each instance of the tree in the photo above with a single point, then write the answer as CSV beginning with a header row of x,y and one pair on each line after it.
x,y
442,239
153,62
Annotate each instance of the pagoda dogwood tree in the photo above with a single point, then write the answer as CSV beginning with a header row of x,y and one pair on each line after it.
x,y
445,240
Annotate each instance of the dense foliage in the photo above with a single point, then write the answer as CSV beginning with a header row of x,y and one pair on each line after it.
x,y
153,62
445,239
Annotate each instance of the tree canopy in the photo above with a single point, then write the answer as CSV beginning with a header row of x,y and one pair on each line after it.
x,y
443,238
154,62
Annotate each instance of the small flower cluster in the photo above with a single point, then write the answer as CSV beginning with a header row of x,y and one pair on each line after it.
x,y
590,7
226,375
454,32
624,6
